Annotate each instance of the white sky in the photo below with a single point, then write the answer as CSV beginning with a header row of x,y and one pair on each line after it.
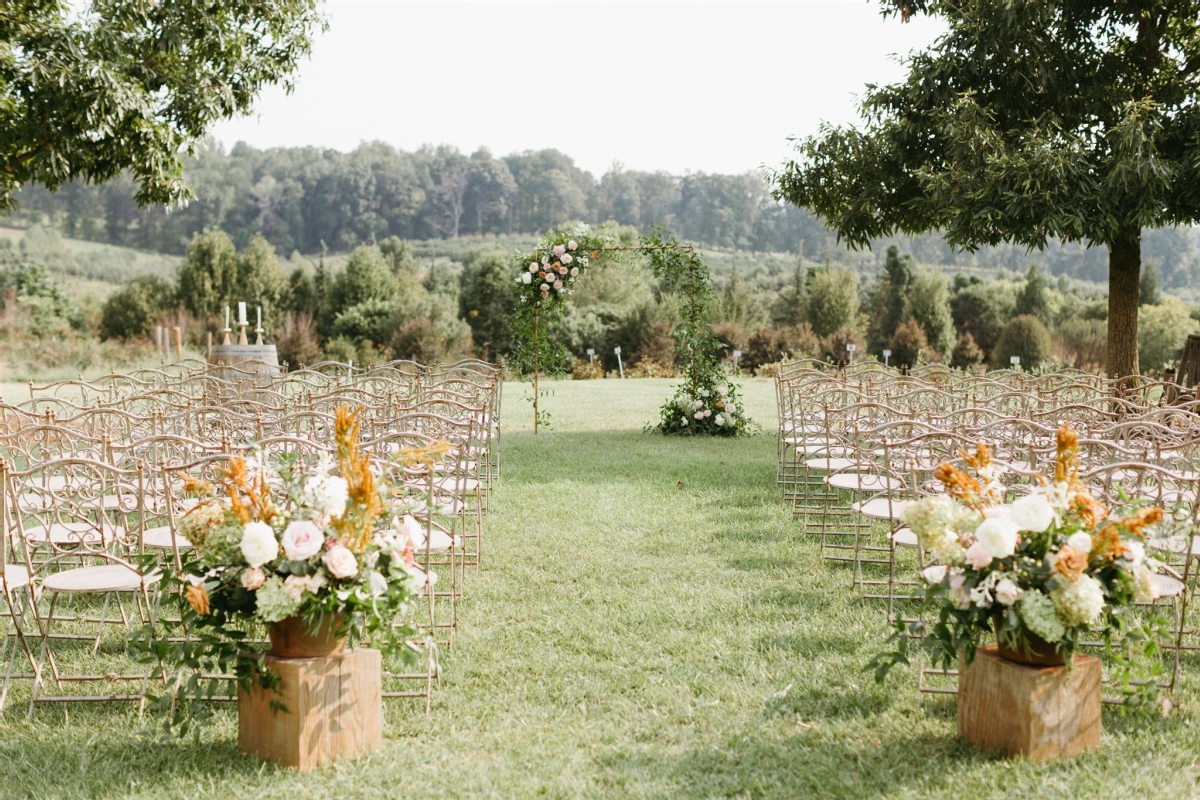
x,y
661,84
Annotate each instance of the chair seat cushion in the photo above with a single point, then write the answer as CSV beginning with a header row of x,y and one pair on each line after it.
x,y
160,539
1166,586
878,508
15,576
903,537
104,578
830,464
860,482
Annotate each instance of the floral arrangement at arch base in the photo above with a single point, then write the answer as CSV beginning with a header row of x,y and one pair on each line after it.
x,y
333,547
1041,574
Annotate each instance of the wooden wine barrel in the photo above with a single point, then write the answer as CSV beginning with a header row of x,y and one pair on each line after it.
x,y
258,359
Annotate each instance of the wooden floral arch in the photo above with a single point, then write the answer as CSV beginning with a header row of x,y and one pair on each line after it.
x,y
706,402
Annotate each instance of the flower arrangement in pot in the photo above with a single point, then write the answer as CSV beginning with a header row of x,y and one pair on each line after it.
x,y
1039,574
318,558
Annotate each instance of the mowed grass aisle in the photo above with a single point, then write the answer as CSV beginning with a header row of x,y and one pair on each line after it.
x,y
649,622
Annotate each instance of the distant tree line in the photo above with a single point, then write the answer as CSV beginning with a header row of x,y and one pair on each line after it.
x,y
308,200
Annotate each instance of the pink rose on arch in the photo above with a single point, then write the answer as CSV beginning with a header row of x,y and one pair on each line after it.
x,y
545,287
533,267
562,270
559,249
566,259
574,271
302,540
558,284
699,415
708,412
571,245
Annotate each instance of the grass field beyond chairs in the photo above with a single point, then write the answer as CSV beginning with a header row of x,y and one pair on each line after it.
x,y
650,622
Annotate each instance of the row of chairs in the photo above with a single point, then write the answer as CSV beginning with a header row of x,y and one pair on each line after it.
x,y
855,448
86,496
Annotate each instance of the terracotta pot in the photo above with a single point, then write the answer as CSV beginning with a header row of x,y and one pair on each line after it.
x,y
1032,650
292,638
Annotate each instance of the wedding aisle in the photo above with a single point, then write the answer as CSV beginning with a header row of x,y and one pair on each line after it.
x,y
650,623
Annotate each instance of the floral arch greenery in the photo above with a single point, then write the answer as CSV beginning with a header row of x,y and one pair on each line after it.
x,y
706,402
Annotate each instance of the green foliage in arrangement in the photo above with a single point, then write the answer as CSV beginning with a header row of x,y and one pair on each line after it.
x,y
706,402
544,279
1024,122
134,86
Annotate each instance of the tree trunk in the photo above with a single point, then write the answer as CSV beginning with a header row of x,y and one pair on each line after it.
x,y
1124,275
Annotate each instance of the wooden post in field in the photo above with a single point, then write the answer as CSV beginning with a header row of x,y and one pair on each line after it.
x,y
179,342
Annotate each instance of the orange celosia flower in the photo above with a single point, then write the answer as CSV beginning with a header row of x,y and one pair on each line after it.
x,y
197,598
428,455
958,483
1067,453
1070,563
363,506
1106,542
197,486
1135,523
1091,510
980,459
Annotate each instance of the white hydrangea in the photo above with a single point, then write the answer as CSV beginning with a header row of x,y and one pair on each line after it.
x,y
1079,602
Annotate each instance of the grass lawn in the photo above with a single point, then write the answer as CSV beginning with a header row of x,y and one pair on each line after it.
x,y
648,623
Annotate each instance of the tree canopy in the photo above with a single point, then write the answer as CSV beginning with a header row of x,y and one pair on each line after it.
x,y
1026,120
123,85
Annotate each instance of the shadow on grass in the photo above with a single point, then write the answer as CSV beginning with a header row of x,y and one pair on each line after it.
x,y
45,761
811,763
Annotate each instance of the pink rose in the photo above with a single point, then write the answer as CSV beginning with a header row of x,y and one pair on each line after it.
x,y
566,259
562,270
571,245
559,249
545,287
341,562
708,412
302,540
558,284
533,267
699,415
977,556
574,271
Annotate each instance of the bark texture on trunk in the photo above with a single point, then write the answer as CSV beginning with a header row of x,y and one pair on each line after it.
x,y
1124,274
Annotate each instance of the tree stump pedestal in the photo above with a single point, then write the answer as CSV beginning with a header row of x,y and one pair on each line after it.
x,y
1043,713
332,708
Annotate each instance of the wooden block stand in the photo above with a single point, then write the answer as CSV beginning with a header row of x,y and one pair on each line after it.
x,y
1044,713
334,710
